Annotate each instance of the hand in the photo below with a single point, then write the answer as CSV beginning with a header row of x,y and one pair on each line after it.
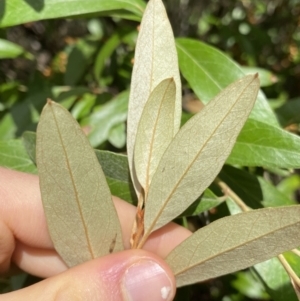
x,y
135,275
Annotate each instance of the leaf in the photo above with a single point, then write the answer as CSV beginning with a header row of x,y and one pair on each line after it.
x,y
15,12
206,202
13,155
9,50
117,135
155,131
114,166
261,144
266,77
234,243
197,153
104,54
81,217
29,142
101,121
79,59
208,71
155,60
275,279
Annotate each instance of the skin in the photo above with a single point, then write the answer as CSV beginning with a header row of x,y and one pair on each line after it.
x,y
25,243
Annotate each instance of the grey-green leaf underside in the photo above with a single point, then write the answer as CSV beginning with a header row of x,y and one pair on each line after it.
x,y
234,243
155,60
197,153
155,131
81,217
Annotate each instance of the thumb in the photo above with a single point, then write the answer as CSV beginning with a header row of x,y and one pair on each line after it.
x,y
132,275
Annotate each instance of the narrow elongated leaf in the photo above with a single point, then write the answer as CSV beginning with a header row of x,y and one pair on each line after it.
x,y
197,153
155,60
208,71
81,217
234,243
261,144
155,131
15,12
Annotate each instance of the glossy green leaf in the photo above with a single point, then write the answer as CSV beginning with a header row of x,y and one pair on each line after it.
x,y
266,77
260,144
247,284
155,131
104,54
155,60
208,71
234,243
117,135
276,280
13,155
81,217
29,142
15,12
104,118
206,202
197,153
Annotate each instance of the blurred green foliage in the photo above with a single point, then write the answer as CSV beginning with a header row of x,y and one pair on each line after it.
x,y
82,58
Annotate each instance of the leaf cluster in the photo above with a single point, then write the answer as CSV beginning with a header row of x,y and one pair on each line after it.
x,y
170,171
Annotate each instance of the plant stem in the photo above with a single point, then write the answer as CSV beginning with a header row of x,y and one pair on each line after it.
x,y
228,192
289,270
296,251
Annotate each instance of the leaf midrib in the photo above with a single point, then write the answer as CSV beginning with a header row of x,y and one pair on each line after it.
x,y
235,247
73,182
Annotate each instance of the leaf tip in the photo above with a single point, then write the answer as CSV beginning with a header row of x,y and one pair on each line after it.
x,y
49,101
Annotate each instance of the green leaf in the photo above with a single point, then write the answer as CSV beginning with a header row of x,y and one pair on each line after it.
x,y
104,54
114,166
9,50
29,142
206,202
276,280
234,243
15,12
197,153
106,117
13,155
266,77
81,217
208,71
260,144
155,60
117,136
155,131
255,191
79,59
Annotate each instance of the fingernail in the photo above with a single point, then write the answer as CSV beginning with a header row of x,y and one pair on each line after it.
x,y
147,280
